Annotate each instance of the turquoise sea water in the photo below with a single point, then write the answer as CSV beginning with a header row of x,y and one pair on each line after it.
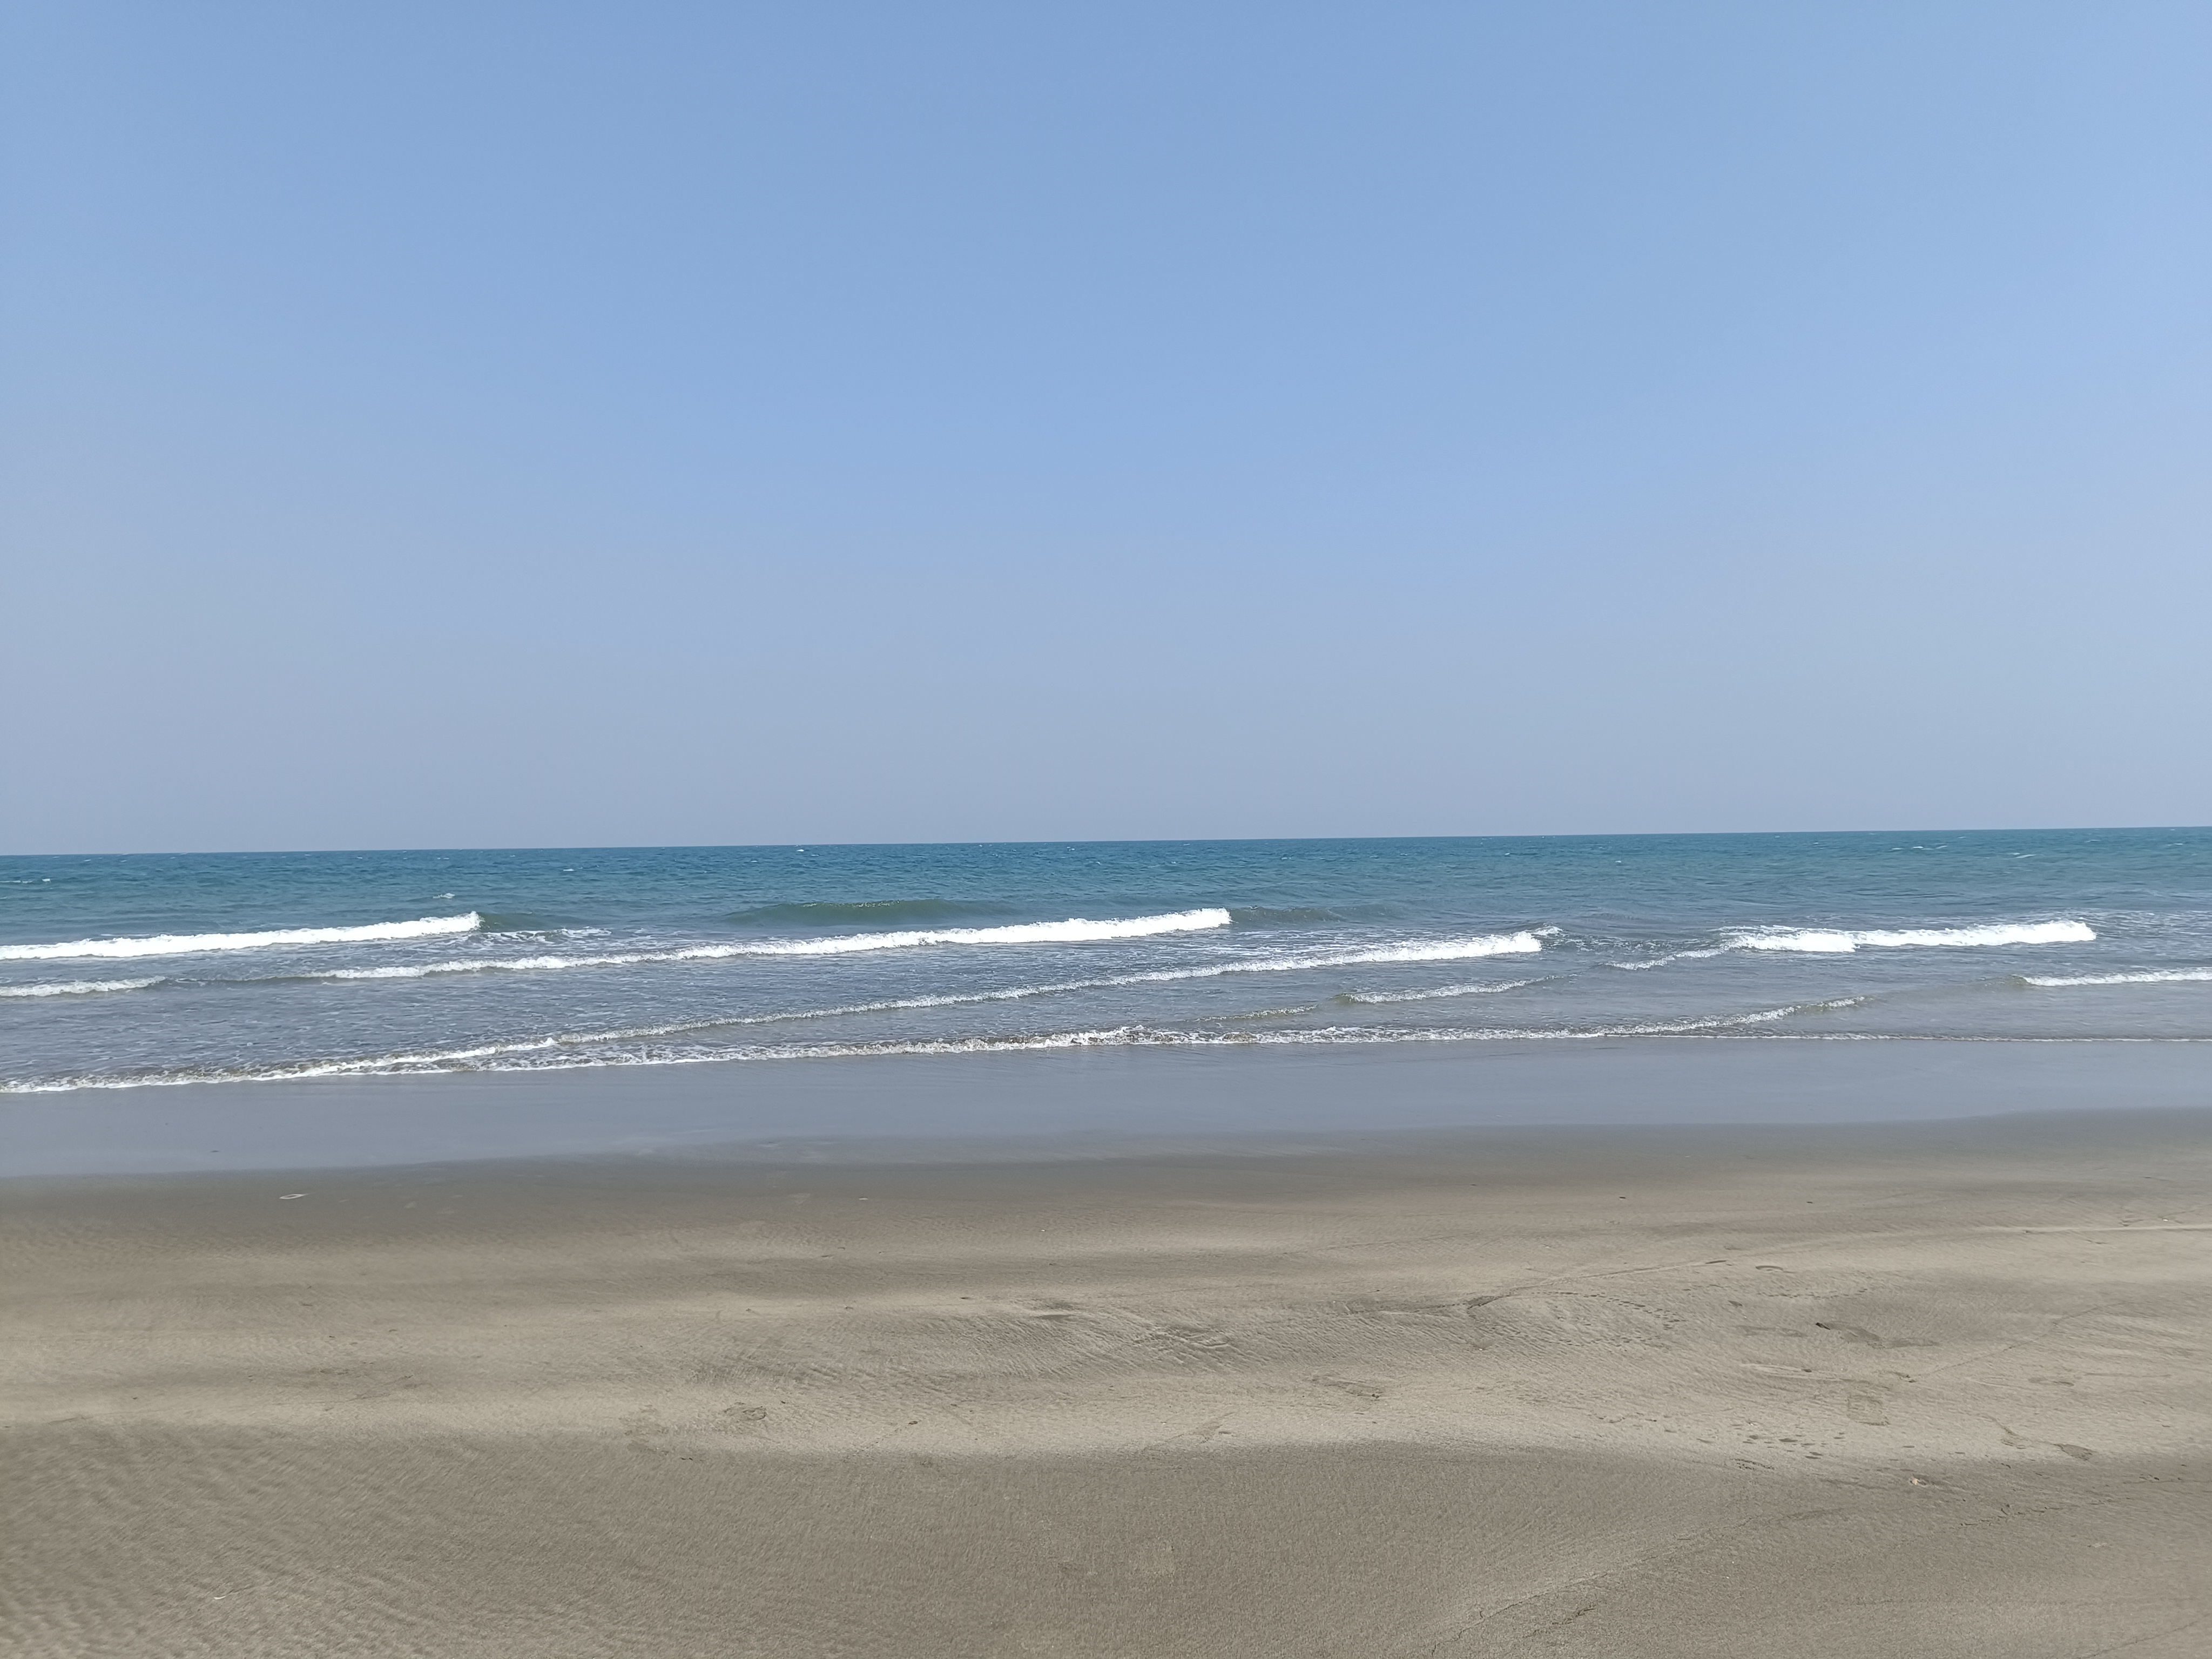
x,y
122,972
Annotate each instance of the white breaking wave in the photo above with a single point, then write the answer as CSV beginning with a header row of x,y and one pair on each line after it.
x,y
1458,950
1446,949
1661,961
1441,991
1829,941
500,965
1493,945
2149,976
177,945
77,987
1074,930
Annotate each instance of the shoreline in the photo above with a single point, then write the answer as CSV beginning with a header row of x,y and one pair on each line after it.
x,y
1085,1102
1603,1390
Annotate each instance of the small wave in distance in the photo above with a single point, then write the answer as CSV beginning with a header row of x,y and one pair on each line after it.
x,y
885,912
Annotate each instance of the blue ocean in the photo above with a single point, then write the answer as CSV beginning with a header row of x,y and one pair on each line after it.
x,y
132,972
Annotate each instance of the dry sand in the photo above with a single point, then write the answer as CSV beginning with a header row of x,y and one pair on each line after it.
x,y
1929,1391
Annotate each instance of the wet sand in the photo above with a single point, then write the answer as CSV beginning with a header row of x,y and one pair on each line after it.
x,y
1936,1388
1118,1099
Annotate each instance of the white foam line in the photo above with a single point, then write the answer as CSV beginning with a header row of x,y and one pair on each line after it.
x,y
1131,1036
2149,976
77,987
565,1056
1445,950
1827,941
1494,944
1449,950
1489,944
1661,961
176,945
511,964
1075,929
1441,991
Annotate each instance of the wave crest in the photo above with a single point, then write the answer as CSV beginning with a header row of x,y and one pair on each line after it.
x,y
826,915
1365,997
1831,941
77,987
1447,949
178,944
1488,945
2146,976
1074,930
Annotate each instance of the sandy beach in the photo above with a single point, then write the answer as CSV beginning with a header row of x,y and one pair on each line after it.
x,y
1077,832
1934,1389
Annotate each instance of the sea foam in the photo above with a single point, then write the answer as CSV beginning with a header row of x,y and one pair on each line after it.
x,y
1450,950
1369,997
792,949
1825,941
77,987
2149,976
178,944
580,1051
1074,930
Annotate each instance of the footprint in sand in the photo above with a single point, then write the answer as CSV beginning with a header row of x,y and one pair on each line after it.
x,y
1356,1390
1860,1334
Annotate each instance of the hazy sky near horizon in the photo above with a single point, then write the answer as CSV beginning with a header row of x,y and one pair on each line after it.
x,y
474,424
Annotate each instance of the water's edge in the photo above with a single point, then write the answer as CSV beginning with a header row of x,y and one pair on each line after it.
x,y
1077,1104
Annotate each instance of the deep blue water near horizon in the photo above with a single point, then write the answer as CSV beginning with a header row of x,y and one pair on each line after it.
x,y
128,971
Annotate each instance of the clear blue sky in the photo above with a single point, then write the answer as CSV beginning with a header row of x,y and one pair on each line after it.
x,y
454,424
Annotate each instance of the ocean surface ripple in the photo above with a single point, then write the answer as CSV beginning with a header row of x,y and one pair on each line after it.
x,y
262,966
